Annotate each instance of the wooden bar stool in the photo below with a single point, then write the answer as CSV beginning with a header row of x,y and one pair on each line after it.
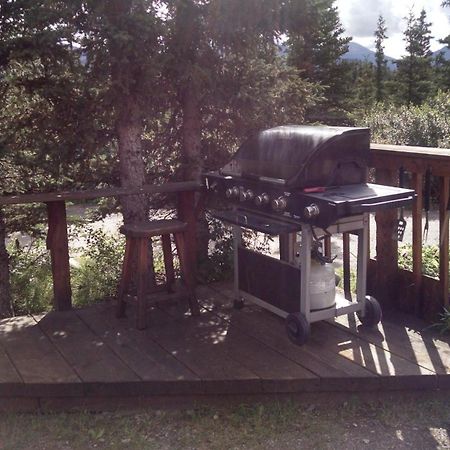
x,y
137,240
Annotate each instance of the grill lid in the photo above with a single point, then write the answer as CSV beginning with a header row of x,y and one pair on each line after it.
x,y
303,156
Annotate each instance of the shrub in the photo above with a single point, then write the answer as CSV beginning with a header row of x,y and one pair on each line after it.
x,y
97,274
430,259
31,277
427,125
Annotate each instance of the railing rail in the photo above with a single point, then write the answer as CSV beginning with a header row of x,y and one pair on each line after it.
x,y
410,291
57,238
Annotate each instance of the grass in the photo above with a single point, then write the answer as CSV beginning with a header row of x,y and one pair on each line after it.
x,y
351,423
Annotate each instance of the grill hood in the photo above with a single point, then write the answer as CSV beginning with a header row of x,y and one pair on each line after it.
x,y
300,156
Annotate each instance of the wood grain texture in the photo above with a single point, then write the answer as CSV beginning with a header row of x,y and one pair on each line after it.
x,y
269,330
58,244
90,354
45,197
85,351
32,353
444,239
417,181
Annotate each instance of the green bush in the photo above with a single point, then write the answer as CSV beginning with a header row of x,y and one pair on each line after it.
x,y
31,277
427,125
430,259
97,274
95,271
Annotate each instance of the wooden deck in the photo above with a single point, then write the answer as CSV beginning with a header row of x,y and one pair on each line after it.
x,y
88,353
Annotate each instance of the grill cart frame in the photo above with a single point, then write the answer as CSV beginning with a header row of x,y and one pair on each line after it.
x,y
298,322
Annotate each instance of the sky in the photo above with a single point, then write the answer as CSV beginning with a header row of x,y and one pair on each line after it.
x,y
359,18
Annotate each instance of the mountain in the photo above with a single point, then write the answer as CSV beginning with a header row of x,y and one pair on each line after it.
x,y
357,52
446,52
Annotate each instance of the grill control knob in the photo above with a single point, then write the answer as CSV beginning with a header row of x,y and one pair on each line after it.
x,y
279,204
232,192
262,199
311,211
248,195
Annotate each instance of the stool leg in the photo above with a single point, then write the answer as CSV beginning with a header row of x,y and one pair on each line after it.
x,y
168,261
142,279
125,278
186,272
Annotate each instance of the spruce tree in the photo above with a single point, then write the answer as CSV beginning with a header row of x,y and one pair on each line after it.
x,y
415,73
316,44
380,60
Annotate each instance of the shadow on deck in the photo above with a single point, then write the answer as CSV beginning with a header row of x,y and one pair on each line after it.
x,y
89,354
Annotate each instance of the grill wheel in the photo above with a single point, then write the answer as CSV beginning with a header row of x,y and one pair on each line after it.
x,y
297,328
373,312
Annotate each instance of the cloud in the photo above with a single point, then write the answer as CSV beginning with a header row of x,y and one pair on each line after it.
x,y
359,18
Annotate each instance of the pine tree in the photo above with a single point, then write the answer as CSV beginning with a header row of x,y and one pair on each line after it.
x,y
380,60
415,70
316,44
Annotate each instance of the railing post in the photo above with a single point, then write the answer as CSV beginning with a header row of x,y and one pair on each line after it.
x,y
417,185
346,265
444,238
58,244
387,246
187,213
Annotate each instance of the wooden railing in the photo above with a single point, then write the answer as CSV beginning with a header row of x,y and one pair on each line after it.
x,y
57,238
410,291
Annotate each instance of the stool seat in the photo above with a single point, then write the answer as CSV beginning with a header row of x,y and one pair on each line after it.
x,y
153,228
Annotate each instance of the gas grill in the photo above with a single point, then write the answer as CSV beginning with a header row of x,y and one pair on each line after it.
x,y
303,183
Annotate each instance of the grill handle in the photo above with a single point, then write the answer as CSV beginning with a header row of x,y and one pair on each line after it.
x,y
376,206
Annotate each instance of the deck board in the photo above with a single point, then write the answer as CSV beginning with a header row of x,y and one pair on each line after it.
x,y
86,352
195,342
246,351
356,348
32,354
269,329
420,349
89,353
141,354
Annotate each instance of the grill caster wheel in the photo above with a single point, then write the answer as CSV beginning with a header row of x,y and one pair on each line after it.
x,y
373,312
297,328
238,303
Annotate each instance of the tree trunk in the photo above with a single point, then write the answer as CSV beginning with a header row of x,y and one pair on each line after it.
x,y
191,158
191,133
5,287
132,171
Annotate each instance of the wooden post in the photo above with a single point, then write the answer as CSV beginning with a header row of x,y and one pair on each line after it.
x,y
346,265
58,244
387,245
417,181
187,213
444,238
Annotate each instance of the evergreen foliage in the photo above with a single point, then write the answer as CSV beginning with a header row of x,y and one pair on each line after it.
x,y
414,71
427,125
316,44
380,60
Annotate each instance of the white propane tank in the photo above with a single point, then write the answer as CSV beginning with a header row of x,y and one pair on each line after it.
x,y
322,285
